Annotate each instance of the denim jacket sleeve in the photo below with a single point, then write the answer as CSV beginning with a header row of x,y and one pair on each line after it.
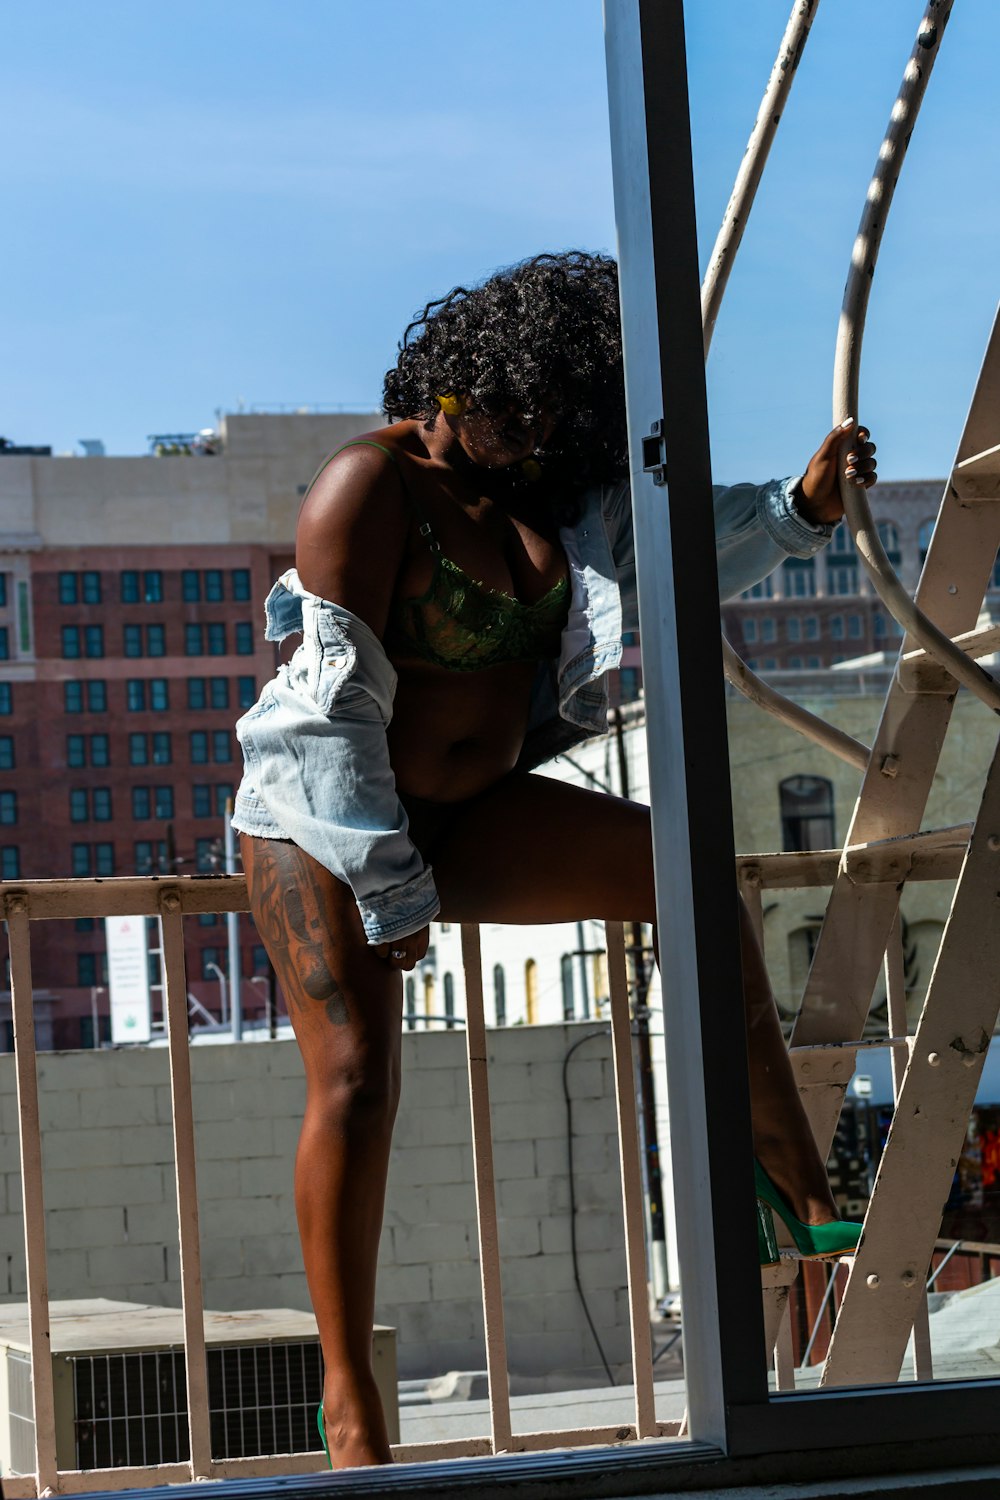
x,y
756,527
317,763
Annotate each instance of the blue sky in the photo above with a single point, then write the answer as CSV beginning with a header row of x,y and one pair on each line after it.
x,y
209,203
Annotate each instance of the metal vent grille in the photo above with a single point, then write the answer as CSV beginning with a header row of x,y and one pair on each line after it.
x,y
22,1413
132,1408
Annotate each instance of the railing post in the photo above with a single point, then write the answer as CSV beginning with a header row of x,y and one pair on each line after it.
x,y
23,1011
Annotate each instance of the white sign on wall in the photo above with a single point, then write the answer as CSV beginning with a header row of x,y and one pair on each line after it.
x,y
128,979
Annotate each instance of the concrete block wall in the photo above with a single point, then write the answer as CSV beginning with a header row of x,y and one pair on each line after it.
x,y
112,1223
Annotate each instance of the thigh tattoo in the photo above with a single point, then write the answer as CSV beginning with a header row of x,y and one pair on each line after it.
x,y
290,912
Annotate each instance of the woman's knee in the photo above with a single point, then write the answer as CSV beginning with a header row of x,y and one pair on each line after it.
x,y
355,1086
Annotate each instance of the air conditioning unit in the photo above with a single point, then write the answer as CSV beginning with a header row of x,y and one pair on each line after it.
x,y
120,1393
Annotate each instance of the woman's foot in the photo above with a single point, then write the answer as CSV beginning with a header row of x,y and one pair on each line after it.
x,y
354,1426
807,1195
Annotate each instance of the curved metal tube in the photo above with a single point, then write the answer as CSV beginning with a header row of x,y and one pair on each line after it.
x,y
793,714
847,360
752,166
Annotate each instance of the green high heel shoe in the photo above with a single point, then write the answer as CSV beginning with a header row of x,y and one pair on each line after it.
x,y
812,1241
767,1245
322,1433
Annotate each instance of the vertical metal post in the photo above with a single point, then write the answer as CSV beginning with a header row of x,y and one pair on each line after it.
x,y
25,1063
233,933
686,721
486,1197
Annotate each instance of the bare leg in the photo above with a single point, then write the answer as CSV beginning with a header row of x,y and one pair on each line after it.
x,y
345,1005
515,855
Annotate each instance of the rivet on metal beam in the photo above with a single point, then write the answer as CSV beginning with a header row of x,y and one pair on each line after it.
x,y
934,1059
890,765
908,1278
873,1279
16,905
170,901
993,842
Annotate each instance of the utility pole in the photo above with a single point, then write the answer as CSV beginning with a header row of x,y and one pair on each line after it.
x,y
640,976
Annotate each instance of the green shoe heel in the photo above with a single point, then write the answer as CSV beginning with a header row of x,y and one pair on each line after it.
x,y
322,1433
812,1241
767,1245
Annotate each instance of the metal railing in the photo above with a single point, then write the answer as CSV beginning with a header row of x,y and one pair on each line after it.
x,y
171,899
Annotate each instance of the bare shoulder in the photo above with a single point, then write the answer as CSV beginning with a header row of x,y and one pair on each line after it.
x,y
353,526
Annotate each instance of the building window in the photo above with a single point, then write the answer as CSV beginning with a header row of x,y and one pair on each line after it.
x,y
76,750
762,590
70,642
568,991
855,627
767,628
246,691
10,862
100,799
207,855
190,586
449,1001
213,586
6,752
156,640
159,694
836,627
80,855
141,803
770,663
7,698
795,663
152,586
8,807
798,576
629,680
240,579
207,918
199,747
811,628
163,802
223,796
924,533
878,625
244,638
750,631
218,692
138,750
73,697
129,587
201,801
841,578
132,640
193,643
793,628
100,750
91,590
93,640
150,856
79,811
86,970
97,696
500,994
216,638
222,746
68,589
889,537
806,813
196,692
135,694
162,753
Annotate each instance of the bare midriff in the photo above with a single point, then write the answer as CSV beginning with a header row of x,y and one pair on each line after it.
x,y
453,734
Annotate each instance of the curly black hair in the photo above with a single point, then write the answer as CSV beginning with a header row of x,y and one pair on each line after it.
x,y
545,333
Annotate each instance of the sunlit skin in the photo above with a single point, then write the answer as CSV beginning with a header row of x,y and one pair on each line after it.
x,y
501,844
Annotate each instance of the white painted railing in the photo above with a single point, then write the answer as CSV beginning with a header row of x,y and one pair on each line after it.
x,y
172,900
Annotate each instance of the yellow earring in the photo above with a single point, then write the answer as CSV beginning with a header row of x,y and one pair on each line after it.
x,y
452,406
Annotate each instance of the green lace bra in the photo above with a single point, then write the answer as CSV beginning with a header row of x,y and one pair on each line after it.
x,y
463,626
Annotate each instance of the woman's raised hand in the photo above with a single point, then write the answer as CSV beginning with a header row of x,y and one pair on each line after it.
x,y
819,493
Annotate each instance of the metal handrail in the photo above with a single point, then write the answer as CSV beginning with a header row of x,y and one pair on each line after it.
x,y
847,360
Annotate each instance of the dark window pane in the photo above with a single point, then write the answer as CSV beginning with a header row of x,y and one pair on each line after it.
x,y
152,586
91,588
241,583
100,754
213,585
132,640
199,747
8,807
70,642
78,809
207,918
5,643
93,640
6,698
222,746
104,859
10,862
76,750
138,750
6,752
156,640
73,697
140,802
223,794
219,692
161,748
86,970
81,859
196,692
216,638
101,802
806,812
135,694
244,638
164,802
97,696
192,641
190,586
84,924
201,801
159,694
207,855
129,587
68,592
247,690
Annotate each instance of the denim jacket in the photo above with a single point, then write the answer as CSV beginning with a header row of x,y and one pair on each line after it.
x,y
317,765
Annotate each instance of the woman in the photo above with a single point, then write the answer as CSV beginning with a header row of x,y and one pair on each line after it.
x,y
463,580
